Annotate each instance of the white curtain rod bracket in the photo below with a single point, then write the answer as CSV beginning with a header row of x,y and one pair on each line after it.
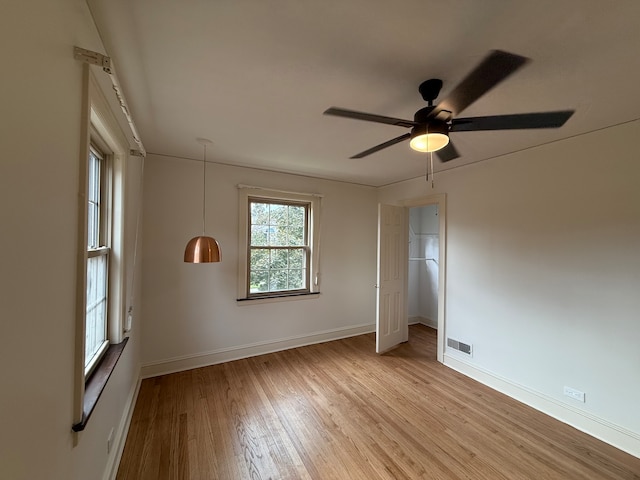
x,y
94,58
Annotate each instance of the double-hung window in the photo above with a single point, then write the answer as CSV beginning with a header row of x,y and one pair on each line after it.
x,y
279,237
101,288
279,249
98,227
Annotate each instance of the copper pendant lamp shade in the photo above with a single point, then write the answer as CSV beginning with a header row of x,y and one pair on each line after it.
x,y
202,249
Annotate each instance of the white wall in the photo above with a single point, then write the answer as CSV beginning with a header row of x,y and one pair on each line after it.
x,y
543,274
191,309
40,138
424,220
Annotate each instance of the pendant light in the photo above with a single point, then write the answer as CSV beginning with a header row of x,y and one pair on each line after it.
x,y
203,249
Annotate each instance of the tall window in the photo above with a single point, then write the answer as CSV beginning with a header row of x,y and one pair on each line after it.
x,y
96,334
100,267
280,232
278,256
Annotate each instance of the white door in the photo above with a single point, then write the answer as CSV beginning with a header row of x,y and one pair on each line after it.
x,y
391,313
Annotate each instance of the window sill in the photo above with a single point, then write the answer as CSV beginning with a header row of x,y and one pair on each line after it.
x,y
277,298
97,381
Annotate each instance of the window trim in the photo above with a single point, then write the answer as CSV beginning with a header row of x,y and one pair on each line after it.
x,y
245,195
307,247
99,125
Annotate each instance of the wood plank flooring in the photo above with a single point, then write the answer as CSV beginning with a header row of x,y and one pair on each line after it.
x,y
339,411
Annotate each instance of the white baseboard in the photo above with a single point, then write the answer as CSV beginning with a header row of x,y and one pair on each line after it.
x,y
586,422
187,362
113,463
424,321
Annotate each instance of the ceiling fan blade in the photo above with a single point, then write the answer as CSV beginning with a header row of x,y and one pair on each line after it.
x,y
447,153
369,117
377,148
495,67
512,122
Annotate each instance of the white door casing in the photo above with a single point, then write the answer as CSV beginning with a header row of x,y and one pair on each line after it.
x,y
391,306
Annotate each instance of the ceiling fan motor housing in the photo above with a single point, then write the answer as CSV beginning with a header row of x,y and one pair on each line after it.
x,y
433,126
422,115
430,89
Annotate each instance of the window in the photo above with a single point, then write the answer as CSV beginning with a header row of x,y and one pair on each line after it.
x,y
280,237
101,288
278,257
96,334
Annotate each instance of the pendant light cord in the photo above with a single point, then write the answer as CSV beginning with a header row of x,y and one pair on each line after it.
x,y
132,295
204,187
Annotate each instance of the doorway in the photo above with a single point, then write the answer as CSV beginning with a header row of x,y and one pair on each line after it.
x,y
392,324
424,248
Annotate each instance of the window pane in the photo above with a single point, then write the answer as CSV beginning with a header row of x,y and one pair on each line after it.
x,y
278,280
94,172
296,235
278,214
278,236
259,259
259,281
296,258
96,317
279,259
296,279
259,235
92,240
259,213
93,197
296,215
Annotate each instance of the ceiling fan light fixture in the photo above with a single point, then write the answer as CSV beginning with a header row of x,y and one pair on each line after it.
x,y
429,138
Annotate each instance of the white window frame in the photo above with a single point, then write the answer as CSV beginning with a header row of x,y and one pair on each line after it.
x,y
100,127
245,195
103,241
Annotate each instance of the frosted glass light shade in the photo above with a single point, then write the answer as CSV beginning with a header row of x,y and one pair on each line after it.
x,y
429,142
429,137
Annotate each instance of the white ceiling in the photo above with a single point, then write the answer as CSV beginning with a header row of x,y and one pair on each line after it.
x,y
254,76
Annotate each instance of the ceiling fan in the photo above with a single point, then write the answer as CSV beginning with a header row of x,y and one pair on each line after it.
x,y
432,124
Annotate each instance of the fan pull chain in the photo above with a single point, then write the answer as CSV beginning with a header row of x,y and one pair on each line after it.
x,y
430,162
432,172
426,172
426,177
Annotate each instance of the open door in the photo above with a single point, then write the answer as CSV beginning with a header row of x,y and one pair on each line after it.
x,y
391,308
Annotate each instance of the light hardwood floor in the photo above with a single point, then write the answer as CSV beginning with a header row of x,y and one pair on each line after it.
x,y
339,411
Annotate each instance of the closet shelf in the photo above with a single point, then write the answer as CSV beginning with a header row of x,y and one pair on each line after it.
x,y
423,259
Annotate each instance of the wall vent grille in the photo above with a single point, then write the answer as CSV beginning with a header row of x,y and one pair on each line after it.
x,y
461,347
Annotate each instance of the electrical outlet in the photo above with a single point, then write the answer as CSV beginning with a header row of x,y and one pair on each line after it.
x,y
110,441
573,393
